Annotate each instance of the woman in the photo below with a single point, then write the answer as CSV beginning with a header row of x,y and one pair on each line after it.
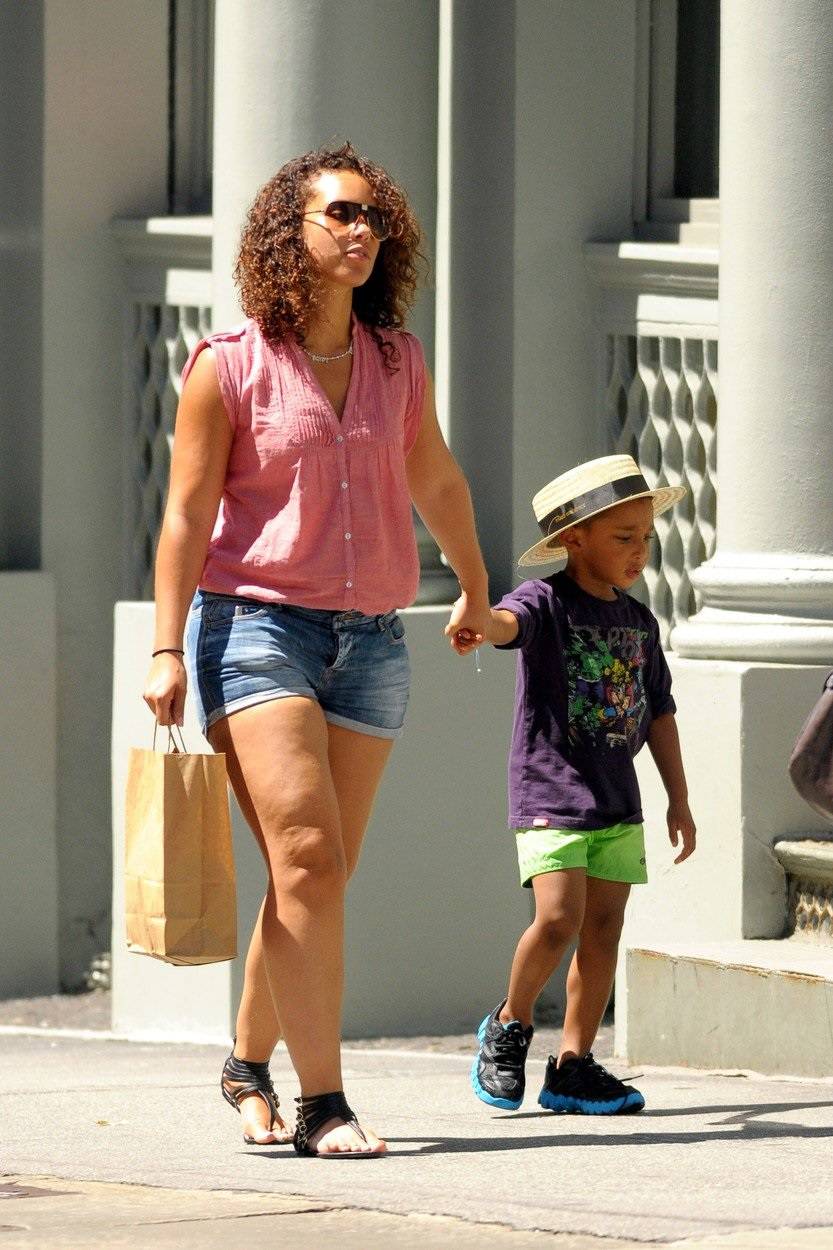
x,y
302,438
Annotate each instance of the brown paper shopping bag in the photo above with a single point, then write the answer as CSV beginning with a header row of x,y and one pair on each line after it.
x,y
180,895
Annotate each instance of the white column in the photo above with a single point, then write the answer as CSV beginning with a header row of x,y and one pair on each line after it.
x,y
291,75
768,591
104,156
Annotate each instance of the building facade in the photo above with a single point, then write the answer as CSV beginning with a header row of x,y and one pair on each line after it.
x,y
583,171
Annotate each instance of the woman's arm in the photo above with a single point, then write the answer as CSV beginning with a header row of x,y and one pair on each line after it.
x,y
441,496
198,469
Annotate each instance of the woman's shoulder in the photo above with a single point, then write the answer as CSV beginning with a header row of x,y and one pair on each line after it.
x,y
245,333
235,352
243,350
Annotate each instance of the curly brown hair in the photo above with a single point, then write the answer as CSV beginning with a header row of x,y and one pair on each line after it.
x,y
275,273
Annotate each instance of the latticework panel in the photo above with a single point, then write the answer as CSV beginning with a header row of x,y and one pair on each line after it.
x,y
811,910
661,406
161,339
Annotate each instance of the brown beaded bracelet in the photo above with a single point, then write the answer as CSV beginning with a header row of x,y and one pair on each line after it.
x,y
167,651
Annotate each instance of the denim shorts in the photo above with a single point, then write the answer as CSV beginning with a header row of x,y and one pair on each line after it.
x,y
241,652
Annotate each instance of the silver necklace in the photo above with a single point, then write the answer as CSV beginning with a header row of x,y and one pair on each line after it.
x,y
326,360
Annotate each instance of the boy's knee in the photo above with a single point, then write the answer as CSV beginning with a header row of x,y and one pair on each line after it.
x,y
558,930
604,929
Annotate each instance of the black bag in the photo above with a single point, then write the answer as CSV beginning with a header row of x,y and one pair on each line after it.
x,y
811,763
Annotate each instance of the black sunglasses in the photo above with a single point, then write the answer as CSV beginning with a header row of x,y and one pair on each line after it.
x,y
346,212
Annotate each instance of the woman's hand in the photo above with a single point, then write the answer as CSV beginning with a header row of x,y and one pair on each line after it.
x,y
468,624
164,691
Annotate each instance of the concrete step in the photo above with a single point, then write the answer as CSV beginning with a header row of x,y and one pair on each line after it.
x,y
764,1006
810,858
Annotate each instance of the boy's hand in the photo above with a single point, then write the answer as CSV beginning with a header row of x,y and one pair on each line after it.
x,y
681,825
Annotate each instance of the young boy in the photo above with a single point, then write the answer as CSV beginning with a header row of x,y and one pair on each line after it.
x,y
592,687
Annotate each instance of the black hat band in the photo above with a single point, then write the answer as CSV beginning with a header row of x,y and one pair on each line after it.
x,y
591,501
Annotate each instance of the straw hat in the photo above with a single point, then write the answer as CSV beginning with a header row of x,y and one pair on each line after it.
x,y
586,491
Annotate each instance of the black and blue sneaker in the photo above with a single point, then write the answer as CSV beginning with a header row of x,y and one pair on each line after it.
x,y
584,1087
497,1074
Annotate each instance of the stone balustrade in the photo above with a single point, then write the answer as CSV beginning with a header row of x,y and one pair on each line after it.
x,y
657,328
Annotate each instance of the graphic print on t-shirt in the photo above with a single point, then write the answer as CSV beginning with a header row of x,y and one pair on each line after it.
x,y
605,687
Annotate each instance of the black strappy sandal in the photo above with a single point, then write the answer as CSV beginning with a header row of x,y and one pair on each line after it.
x,y
317,1110
242,1078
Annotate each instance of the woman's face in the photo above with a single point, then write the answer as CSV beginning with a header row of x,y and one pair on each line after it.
x,y
344,254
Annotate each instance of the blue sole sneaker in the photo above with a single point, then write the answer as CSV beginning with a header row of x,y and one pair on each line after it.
x,y
498,1071
584,1087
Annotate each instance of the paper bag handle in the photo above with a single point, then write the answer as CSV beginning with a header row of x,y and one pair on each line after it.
x,y
176,748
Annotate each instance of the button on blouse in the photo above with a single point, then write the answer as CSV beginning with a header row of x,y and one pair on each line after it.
x,y
314,511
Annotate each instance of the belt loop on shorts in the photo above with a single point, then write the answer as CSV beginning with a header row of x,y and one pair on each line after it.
x,y
380,624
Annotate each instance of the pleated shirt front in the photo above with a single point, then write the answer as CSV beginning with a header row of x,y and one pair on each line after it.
x,y
315,510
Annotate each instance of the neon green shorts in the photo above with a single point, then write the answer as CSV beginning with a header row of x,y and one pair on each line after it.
x,y
613,854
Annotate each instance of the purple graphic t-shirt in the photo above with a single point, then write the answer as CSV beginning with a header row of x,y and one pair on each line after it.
x,y
591,677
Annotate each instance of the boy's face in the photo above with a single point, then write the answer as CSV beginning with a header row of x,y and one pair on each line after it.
x,y
613,548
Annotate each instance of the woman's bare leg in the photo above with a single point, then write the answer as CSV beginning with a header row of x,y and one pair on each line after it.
x,y
256,1036
258,1029
332,767
357,762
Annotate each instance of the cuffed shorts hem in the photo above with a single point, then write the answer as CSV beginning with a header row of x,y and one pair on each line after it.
x,y
345,722
252,700
615,853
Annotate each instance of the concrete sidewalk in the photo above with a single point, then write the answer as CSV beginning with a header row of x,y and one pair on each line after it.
x,y
717,1159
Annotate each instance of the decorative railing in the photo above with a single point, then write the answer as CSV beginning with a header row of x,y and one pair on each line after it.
x,y
161,339
658,319
167,311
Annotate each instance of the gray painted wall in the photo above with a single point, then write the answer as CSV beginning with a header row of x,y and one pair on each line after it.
x,y
29,878
542,144
104,155
542,148
575,92
481,264
21,145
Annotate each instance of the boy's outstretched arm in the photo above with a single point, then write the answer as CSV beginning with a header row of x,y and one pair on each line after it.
x,y
664,745
501,628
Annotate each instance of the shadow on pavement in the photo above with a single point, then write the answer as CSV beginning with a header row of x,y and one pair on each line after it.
x,y
737,1113
479,1145
475,1145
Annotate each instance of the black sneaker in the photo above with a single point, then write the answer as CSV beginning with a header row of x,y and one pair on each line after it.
x,y
584,1086
497,1074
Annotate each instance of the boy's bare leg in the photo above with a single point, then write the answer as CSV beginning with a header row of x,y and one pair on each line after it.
x,y
559,910
593,967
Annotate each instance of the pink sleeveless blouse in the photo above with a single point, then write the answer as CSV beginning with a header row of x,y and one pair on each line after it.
x,y
316,511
